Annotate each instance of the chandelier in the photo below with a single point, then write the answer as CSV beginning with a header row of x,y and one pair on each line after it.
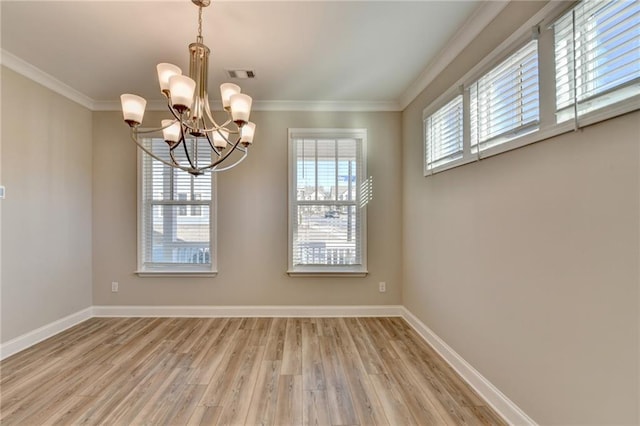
x,y
227,144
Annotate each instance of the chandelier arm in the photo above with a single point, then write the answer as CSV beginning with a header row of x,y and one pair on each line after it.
x,y
173,158
173,111
214,128
144,132
220,160
240,160
184,144
152,155
224,125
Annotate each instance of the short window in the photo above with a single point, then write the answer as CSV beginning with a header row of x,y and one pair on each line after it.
x,y
327,221
443,134
505,101
597,51
176,211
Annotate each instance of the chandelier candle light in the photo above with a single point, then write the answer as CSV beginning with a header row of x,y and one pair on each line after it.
x,y
189,105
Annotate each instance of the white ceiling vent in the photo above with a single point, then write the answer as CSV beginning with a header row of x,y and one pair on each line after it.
x,y
241,74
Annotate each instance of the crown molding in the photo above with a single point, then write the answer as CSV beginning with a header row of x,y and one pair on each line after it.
x,y
28,70
342,106
316,106
481,17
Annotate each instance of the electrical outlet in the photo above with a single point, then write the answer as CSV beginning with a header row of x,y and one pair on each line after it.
x,y
114,286
382,286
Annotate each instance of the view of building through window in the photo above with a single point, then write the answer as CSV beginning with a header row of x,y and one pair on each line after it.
x,y
176,212
327,219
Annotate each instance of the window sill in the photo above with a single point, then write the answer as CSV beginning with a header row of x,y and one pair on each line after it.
x,y
176,274
328,274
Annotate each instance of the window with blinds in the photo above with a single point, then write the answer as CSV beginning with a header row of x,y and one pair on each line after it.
x,y
578,60
327,225
504,103
176,215
443,134
597,56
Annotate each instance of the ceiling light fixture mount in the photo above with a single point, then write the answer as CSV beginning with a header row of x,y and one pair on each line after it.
x,y
193,120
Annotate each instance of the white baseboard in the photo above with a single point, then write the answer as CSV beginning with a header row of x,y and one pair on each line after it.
x,y
248,311
487,391
31,338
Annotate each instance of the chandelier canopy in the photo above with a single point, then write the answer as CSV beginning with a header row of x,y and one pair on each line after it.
x,y
227,144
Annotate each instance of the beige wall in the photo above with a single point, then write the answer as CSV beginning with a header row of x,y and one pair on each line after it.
x,y
46,217
252,222
526,263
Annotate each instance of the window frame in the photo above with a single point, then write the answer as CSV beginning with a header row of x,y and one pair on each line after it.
x,y
180,269
540,27
427,114
358,270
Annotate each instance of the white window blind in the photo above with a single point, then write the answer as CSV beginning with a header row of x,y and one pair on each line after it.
x,y
176,215
327,224
443,134
505,101
597,51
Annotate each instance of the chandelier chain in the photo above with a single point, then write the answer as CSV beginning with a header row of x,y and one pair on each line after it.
x,y
200,24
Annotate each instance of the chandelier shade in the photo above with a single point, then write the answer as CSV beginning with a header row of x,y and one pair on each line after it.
x,y
192,118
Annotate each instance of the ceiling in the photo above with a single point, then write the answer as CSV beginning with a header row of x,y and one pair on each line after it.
x,y
301,51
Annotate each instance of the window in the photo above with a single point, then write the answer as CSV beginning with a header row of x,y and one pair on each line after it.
x,y
597,50
327,218
444,134
580,64
176,217
497,107
504,102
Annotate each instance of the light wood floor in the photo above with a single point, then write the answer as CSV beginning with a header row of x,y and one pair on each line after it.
x,y
279,371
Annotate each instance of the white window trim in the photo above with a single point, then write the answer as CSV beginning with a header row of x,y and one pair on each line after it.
x,y
178,270
320,270
548,128
449,96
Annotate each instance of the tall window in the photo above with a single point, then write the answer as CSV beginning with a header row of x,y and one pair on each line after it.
x,y
327,221
176,213
505,101
597,49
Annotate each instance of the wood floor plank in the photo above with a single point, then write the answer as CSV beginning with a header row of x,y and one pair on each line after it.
x,y
239,394
258,371
339,398
275,340
292,351
312,370
419,401
315,408
262,410
365,399
227,370
204,416
393,404
289,405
